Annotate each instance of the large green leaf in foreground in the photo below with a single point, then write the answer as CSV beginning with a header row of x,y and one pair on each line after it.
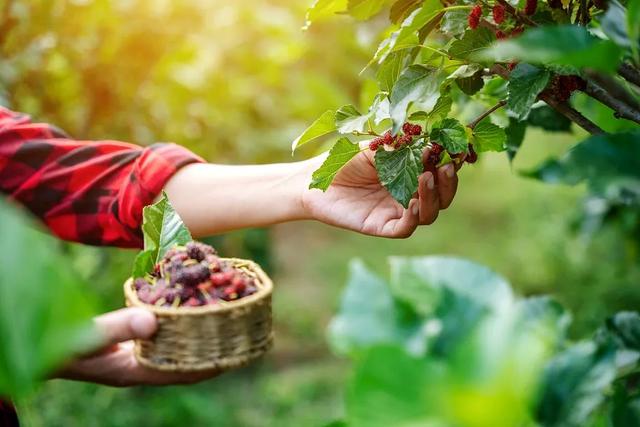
x,y
609,163
464,352
45,310
562,45
369,315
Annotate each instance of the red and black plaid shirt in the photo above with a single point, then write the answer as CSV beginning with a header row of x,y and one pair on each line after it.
x,y
83,191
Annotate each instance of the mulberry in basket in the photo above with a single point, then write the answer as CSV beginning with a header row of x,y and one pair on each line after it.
x,y
210,337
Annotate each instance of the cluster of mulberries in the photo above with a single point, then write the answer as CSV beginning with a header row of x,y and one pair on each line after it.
x,y
435,155
561,87
474,17
499,14
409,132
193,275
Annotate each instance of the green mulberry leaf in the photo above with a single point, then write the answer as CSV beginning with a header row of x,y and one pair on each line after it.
x,y
324,125
416,83
451,134
339,155
398,171
489,137
525,84
349,119
162,228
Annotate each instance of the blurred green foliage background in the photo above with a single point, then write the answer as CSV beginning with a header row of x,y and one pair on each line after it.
x,y
236,82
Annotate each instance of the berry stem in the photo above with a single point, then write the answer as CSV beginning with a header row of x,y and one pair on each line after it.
x,y
450,8
370,132
487,113
433,49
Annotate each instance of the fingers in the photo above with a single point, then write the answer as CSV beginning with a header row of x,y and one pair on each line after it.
x,y
126,324
447,185
428,198
407,224
120,368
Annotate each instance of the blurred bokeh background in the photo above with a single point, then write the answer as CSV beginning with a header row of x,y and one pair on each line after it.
x,y
236,82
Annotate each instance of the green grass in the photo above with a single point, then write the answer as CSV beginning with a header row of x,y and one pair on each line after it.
x,y
518,227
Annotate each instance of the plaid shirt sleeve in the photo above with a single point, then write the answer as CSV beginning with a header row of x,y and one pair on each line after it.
x,y
85,191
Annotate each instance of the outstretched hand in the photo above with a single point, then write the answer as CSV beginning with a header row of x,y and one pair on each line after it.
x,y
115,364
357,201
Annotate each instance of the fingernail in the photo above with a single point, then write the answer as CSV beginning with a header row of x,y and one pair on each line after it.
x,y
430,182
143,324
449,170
414,208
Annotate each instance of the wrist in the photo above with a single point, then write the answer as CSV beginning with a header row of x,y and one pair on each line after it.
x,y
303,173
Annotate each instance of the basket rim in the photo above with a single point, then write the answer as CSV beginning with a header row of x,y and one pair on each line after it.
x,y
265,288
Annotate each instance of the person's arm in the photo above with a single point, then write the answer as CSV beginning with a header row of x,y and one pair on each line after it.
x,y
212,198
215,198
91,192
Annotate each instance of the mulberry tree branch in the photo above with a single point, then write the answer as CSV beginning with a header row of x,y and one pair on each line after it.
x,y
561,107
608,92
630,73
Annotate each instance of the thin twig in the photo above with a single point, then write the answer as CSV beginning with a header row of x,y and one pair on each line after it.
x,y
487,113
433,49
561,107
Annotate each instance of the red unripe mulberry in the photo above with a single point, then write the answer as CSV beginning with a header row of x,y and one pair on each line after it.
x,y
474,17
530,7
410,129
375,144
472,157
500,35
436,148
498,13
403,140
563,86
387,138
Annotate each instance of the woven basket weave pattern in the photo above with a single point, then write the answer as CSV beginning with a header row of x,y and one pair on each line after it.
x,y
212,337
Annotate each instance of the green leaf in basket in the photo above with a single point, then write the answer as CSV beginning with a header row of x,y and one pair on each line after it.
x,y
162,228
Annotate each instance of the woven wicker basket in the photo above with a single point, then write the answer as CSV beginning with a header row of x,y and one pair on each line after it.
x,y
211,337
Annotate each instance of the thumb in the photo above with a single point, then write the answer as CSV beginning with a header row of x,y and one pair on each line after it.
x,y
126,324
